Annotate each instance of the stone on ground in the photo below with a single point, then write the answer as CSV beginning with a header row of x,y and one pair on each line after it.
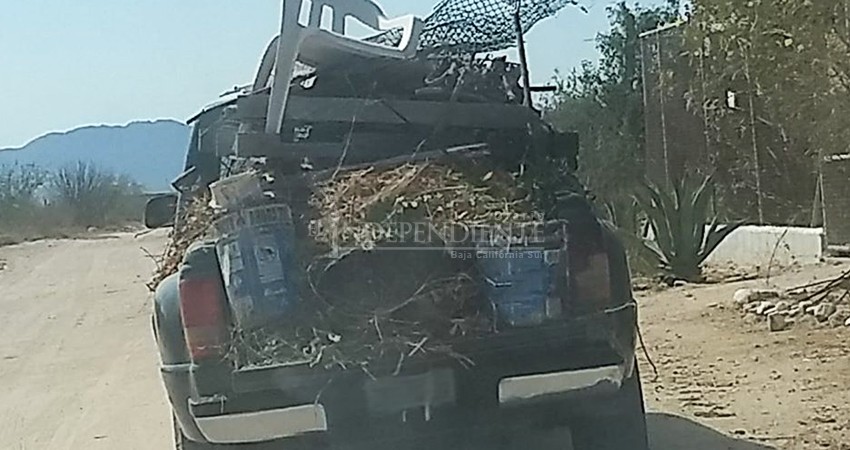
x,y
824,310
777,322
763,307
745,296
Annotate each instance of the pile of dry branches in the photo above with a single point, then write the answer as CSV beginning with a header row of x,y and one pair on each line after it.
x,y
836,289
194,225
365,337
357,207
368,306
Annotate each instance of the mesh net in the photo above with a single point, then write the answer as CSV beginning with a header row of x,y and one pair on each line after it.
x,y
477,26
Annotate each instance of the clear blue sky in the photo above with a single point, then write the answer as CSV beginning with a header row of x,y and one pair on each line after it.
x,y
66,63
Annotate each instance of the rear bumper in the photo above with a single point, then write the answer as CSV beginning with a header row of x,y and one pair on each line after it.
x,y
573,369
261,426
608,379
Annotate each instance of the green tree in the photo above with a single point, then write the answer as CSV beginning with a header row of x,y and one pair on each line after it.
x,y
604,103
786,61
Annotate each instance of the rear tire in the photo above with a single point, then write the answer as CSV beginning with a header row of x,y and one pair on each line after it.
x,y
181,442
625,430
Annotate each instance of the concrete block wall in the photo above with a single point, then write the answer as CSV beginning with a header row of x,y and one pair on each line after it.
x,y
752,246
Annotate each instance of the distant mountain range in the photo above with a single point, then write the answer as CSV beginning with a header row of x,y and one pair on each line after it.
x,y
152,153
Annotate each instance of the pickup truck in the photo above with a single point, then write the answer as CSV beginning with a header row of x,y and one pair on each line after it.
x,y
574,368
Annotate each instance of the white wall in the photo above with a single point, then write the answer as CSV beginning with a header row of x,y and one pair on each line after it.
x,y
752,246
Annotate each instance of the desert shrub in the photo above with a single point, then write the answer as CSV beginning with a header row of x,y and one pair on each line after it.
x,y
20,188
94,197
684,229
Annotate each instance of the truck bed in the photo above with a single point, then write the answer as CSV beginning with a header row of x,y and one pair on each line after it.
x,y
439,391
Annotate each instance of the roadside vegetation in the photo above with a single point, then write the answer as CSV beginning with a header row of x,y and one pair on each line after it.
x,y
38,203
749,95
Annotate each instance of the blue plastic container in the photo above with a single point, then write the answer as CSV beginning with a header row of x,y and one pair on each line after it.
x,y
519,283
257,257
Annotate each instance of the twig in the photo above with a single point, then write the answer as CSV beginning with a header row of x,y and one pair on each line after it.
x,y
318,359
832,284
468,151
378,328
464,360
156,260
142,233
773,254
771,438
414,297
366,371
646,354
417,347
350,135
810,285
399,364
347,145
322,391
387,192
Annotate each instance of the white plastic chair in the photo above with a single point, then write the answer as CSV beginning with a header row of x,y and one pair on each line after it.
x,y
318,47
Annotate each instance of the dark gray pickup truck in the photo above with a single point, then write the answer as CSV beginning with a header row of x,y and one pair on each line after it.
x,y
572,367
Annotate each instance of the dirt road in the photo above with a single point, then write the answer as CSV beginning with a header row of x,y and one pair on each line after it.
x,y
786,390
78,367
77,362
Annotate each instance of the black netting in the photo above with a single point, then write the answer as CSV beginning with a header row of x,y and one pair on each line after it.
x,y
476,26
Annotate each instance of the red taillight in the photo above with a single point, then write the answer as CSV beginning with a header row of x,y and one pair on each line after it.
x,y
589,268
591,280
204,318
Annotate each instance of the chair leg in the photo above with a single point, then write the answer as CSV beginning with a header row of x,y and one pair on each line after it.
x,y
264,73
287,53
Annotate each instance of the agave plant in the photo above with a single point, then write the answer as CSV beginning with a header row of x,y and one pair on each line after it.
x,y
685,232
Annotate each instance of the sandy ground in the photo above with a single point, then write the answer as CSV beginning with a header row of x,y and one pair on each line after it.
x,y
78,366
787,390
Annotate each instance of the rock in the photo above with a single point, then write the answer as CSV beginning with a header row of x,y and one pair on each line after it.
x,y
806,304
842,310
769,311
837,319
746,296
680,283
808,321
795,312
824,310
811,310
847,323
782,306
834,321
762,307
777,322
641,285
751,319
